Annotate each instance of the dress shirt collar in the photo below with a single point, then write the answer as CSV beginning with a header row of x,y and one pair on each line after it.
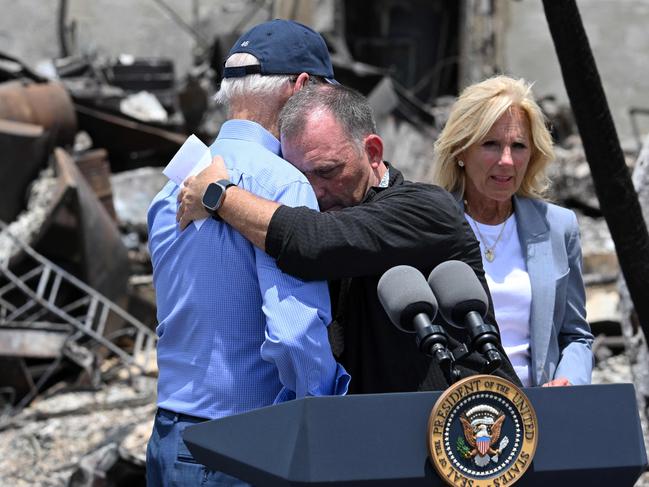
x,y
385,180
250,132
394,178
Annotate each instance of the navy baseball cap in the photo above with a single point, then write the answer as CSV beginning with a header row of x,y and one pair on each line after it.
x,y
282,47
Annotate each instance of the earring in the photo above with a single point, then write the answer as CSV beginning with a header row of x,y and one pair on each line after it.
x,y
460,163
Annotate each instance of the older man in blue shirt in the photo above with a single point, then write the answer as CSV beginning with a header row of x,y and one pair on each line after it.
x,y
235,333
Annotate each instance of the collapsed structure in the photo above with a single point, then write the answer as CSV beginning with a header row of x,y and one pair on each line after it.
x,y
81,161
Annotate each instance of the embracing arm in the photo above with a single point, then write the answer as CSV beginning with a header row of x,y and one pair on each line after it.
x,y
411,224
247,213
250,215
575,337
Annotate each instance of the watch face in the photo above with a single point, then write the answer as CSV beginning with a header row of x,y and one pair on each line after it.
x,y
212,196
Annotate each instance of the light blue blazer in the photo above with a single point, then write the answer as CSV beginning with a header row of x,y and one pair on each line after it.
x,y
560,337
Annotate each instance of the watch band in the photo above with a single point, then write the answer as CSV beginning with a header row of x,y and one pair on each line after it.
x,y
214,196
226,183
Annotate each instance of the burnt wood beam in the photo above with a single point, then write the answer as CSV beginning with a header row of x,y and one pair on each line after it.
x,y
617,196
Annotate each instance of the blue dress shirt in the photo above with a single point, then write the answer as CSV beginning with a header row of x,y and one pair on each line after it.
x,y
235,333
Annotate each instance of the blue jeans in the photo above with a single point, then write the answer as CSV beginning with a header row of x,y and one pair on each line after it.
x,y
169,462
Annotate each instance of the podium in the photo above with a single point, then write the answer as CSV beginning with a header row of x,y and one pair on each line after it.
x,y
588,435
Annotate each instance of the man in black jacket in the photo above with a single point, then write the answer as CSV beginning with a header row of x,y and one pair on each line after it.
x,y
371,220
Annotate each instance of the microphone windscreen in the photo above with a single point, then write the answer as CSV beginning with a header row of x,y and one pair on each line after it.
x,y
458,291
404,293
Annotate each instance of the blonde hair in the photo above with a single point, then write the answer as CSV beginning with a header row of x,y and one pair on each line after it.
x,y
473,114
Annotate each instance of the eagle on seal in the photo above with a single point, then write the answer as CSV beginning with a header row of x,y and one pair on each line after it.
x,y
482,433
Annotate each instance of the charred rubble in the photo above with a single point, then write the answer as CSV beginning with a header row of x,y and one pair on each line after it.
x,y
82,158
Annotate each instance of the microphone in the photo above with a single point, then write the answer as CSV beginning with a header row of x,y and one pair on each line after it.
x,y
411,306
463,304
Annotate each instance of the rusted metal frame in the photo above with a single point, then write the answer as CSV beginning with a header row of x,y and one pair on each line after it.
x,y
36,299
44,274
90,315
76,304
102,320
19,311
89,319
31,318
68,318
10,286
81,285
52,299
67,308
37,386
140,330
4,306
42,283
25,277
36,315
8,306
54,290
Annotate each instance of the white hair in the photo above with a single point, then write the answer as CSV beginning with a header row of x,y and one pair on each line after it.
x,y
253,84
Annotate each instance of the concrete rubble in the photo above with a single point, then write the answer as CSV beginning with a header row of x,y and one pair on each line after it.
x,y
57,440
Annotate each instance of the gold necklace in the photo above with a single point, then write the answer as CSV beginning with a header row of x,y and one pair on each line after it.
x,y
489,251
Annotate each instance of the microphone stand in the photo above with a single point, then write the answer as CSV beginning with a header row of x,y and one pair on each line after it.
x,y
433,341
483,339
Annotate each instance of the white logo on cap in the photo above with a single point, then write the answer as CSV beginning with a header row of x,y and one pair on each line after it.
x,y
245,43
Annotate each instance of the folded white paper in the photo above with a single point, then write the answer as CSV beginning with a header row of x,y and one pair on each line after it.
x,y
192,157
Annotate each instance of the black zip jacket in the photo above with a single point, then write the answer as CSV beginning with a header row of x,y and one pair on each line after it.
x,y
407,223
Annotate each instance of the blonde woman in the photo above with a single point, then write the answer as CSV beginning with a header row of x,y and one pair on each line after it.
x,y
492,155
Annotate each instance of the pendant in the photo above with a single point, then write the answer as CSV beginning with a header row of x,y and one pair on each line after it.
x,y
489,255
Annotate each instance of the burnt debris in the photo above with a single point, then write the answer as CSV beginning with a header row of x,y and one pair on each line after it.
x,y
83,150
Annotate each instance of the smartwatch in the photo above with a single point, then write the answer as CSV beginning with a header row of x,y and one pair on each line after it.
x,y
214,196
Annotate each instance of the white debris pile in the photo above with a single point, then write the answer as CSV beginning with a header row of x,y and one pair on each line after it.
x,y
615,370
30,221
43,445
144,106
133,192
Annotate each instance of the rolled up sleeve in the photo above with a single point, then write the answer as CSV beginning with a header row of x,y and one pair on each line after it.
x,y
297,314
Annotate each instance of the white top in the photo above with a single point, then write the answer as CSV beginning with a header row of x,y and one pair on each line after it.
x,y
511,291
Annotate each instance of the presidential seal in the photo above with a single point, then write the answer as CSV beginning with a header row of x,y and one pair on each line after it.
x,y
482,432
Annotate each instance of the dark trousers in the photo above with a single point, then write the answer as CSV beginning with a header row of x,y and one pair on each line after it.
x,y
169,462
